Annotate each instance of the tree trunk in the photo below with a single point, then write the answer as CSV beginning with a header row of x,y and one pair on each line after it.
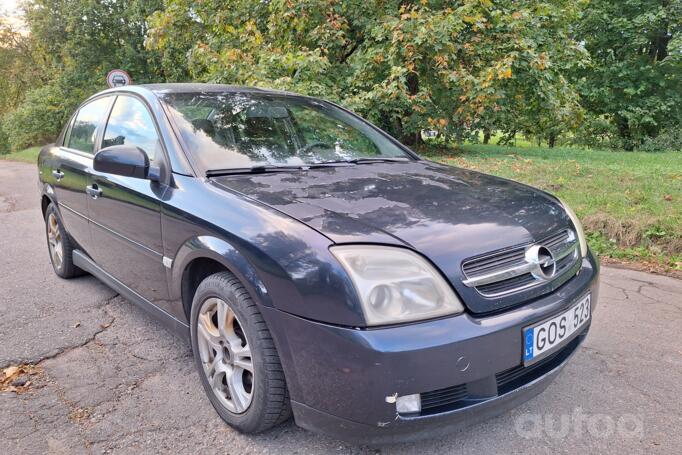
x,y
486,136
624,131
412,140
551,140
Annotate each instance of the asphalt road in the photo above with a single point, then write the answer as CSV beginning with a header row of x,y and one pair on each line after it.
x,y
108,379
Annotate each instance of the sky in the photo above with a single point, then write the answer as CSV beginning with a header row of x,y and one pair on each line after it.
x,y
9,6
10,9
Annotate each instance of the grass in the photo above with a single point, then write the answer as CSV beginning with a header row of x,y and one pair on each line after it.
x,y
29,155
630,203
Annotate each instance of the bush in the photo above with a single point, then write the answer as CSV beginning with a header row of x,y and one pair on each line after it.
x,y
669,140
39,118
4,145
597,132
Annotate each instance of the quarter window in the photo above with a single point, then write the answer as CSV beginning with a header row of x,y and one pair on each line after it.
x,y
84,129
131,124
67,132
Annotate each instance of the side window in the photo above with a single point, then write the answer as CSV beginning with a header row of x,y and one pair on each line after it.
x,y
82,133
131,124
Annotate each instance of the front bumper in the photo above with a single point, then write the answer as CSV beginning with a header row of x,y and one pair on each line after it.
x,y
339,378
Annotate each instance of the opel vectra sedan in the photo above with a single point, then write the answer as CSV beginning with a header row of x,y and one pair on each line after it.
x,y
318,266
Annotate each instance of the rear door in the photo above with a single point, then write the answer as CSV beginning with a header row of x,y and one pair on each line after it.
x,y
71,168
126,213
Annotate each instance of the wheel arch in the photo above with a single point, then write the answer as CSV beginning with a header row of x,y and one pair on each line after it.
x,y
44,203
203,256
47,198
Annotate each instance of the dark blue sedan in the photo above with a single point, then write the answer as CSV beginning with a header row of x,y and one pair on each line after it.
x,y
319,267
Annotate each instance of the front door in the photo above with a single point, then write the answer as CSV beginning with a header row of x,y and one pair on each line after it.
x,y
125,212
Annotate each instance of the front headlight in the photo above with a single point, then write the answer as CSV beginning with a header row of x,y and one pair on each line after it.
x,y
578,228
396,285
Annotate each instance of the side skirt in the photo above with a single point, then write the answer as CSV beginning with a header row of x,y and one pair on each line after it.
x,y
87,264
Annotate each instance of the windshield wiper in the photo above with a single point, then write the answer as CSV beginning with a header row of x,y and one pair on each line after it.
x,y
365,160
263,168
259,169
385,159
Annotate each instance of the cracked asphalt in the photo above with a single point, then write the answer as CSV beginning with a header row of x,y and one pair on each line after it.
x,y
108,379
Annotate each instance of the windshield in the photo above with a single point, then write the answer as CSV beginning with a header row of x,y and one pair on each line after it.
x,y
243,130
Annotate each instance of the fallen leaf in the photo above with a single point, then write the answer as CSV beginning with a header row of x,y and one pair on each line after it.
x,y
16,378
104,326
10,371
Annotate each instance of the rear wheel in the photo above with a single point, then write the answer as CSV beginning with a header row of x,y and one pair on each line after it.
x,y
236,357
59,245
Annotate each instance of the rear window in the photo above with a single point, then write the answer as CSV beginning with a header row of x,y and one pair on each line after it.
x,y
84,130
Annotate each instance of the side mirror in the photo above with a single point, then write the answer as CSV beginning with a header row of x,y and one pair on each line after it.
x,y
125,160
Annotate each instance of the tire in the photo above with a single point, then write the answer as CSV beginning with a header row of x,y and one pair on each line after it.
x,y
256,400
59,245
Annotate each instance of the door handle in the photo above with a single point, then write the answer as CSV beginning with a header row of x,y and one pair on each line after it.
x,y
57,174
93,191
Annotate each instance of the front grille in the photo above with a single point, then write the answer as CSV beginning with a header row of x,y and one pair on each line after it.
x,y
492,262
506,286
502,272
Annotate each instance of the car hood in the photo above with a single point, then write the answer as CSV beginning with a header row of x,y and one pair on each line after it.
x,y
441,211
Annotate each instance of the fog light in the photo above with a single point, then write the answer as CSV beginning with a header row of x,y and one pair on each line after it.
x,y
408,404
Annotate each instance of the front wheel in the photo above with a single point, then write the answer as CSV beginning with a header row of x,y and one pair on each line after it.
x,y
236,357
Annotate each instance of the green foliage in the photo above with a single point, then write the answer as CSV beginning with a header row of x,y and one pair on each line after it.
x,y
597,132
635,73
71,46
19,66
668,140
39,119
454,67
4,142
603,73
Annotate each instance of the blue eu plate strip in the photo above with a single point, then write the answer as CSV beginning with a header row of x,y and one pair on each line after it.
x,y
528,349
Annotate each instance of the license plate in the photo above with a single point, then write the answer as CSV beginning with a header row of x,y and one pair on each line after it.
x,y
547,336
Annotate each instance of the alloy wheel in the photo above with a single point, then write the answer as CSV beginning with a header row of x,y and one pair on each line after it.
x,y
54,240
225,355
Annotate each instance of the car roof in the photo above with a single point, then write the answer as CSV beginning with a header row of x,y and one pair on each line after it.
x,y
192,87
201,87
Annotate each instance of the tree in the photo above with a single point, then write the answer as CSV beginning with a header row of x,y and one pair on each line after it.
x,y
65,57
450,66
635,74
20,67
